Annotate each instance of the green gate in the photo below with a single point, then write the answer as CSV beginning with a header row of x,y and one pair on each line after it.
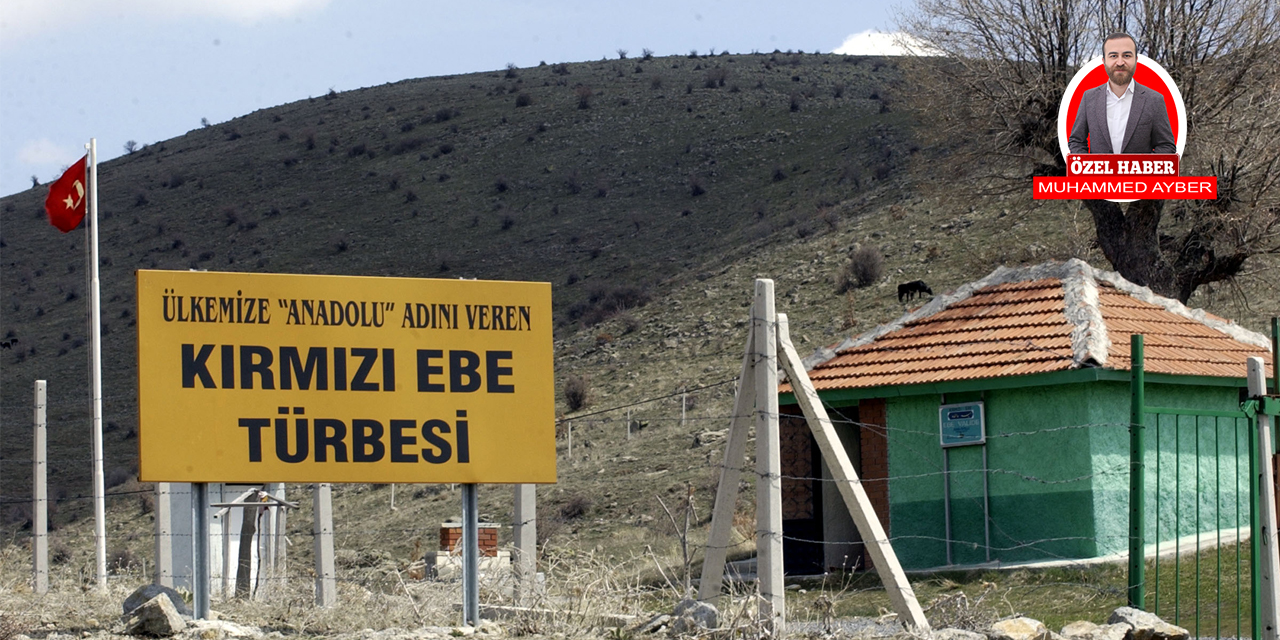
x,y
1193,501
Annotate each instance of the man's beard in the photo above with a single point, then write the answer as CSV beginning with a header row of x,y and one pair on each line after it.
x,y
1121,76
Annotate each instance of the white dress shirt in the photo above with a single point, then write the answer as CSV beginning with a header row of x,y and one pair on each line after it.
x,y
1118,115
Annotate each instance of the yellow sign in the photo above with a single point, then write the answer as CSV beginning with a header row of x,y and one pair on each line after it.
x,y
288,378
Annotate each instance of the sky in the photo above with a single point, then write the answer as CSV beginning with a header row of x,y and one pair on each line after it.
x,y
150,70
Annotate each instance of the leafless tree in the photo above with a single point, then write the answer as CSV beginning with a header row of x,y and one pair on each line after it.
x,y
998,69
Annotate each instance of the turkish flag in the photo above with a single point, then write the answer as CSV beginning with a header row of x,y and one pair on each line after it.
x,y
66,204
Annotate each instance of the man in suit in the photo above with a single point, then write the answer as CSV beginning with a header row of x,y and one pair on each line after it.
x,y
1121,116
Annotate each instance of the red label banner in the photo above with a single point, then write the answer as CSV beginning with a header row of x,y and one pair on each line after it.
x,y
1122,164
1125,188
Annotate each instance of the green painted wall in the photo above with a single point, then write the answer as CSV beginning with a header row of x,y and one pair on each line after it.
x,y
1041,502
1058,475
1186,446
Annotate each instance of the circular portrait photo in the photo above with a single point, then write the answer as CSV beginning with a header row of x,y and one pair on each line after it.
x,y
1116,88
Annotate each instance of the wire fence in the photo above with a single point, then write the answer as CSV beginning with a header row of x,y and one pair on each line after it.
x,y
402,558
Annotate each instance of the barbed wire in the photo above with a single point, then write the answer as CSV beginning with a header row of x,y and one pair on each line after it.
x,y
1001,541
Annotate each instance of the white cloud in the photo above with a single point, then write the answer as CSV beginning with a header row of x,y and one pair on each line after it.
x,y
21,19
878,43
45,152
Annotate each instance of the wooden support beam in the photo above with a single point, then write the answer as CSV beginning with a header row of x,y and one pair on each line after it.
x,y
855,497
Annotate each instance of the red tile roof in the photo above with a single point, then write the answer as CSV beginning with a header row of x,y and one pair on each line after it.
x,y
1051,317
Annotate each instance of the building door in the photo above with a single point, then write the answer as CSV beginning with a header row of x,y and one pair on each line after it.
x,y
802,543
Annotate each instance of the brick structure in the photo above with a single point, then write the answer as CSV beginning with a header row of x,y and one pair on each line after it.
x,y
486,532
795,445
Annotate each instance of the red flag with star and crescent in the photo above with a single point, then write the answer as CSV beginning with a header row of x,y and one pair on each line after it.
x,y
66,204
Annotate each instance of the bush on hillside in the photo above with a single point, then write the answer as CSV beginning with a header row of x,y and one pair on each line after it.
x,y
576,393
576,507
865,267
584,93
605,301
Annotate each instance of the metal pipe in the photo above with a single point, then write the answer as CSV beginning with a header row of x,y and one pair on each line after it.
x,y
200,545
470,556
986,503
1137,486
946,498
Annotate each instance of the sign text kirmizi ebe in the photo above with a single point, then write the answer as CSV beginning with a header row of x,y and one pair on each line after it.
x,y
292,378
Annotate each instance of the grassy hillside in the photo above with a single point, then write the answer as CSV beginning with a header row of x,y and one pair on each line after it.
x,y
672,181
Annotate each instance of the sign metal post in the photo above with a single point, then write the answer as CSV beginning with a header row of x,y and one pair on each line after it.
x,y
200,545
470,556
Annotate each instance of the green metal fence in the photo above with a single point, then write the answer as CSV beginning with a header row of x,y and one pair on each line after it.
x,y
1193,504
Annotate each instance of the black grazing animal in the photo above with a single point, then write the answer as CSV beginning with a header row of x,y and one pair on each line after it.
x,y
8,343
909,290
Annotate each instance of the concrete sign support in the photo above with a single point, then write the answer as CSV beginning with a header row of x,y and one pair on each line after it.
x,y
322,512
525,532
40,496
470,556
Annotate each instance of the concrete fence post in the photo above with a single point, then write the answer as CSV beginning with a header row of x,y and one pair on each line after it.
x,y
1269,562
768,462
164,535
525,534
322,512
40,495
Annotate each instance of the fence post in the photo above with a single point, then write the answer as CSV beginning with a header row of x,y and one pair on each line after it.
x,y
525,532
322,512
1275,355
40,496
684,405
773,603
1137,479
1268,560
164,536
731,467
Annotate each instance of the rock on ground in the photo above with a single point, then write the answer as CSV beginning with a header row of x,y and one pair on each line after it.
x,y
220,630
148,591
1084,630
1147,626
1019,629
956,634
691,616
156,617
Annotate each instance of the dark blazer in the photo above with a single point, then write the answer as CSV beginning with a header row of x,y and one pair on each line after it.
x,y
1147,131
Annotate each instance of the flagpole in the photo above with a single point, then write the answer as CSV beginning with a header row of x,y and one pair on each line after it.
x,y
95,373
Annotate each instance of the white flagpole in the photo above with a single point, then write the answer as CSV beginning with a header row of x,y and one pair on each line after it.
x,y
95,373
